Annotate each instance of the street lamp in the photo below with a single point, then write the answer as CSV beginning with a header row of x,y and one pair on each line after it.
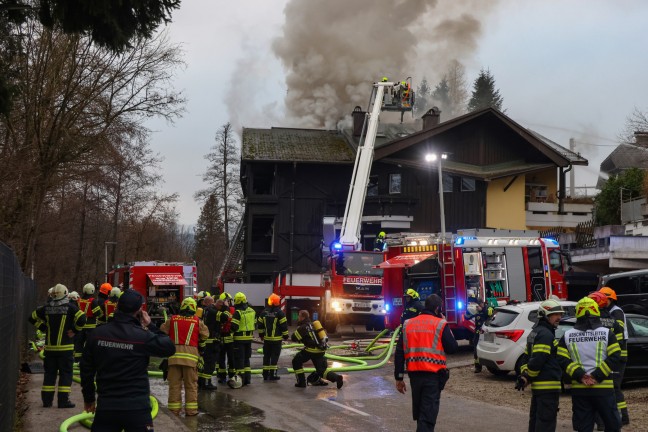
x,y
106,251
432,157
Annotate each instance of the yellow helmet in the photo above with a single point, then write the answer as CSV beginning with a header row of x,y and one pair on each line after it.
x,y
239,298
201,295
587,305
381,234
225,296
188,303
412,293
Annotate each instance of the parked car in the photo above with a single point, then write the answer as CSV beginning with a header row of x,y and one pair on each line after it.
x,y
631,288
504,336
637,367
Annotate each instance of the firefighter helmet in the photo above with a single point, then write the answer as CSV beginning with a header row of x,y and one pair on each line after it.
x,y
88,289
403,83
74,296
201,295
550,307
115,292
381,234
59,292
239,298
188,303
274,300
384,79
411,292
235,382
609,292
600,298
49,292
225,296
587,306
105,288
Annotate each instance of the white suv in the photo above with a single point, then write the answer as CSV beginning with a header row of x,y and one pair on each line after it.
x,y
504,336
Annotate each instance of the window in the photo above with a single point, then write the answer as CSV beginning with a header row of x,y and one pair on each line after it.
x,y
447,183
263,180
372,187
467,184
262,235
502,318
624,285
394,183
555,260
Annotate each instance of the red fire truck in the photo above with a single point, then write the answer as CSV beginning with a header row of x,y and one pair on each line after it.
x,y
493,265
163,284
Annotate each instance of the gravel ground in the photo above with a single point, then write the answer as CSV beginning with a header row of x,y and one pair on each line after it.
x,y
464,382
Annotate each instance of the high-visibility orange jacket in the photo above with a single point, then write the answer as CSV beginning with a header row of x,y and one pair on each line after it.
x,y
423,345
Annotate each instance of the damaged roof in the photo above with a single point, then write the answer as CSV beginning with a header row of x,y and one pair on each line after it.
x,y
295,145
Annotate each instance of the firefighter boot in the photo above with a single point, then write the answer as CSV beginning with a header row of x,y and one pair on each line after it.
x,y
208,385
339,381
222,378
65,402
273,375
478,367
301,380
247,378
48,399
265,374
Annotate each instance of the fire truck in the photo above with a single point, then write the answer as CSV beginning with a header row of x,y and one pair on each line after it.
x,y
497,266
352,284
163,284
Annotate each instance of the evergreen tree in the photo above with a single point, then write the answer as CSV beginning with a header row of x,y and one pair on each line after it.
x,y
484,93
441,94
608,210
209,241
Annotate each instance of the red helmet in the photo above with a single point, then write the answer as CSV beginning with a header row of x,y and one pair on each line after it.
x,y
600,298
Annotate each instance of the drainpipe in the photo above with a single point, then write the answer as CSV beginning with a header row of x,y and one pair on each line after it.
x,y
561,189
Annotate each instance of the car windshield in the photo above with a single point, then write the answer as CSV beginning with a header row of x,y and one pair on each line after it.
x,y
570,311
502,318
563,327
639,326
358,263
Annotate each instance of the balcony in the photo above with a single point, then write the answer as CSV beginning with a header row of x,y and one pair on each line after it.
x,y
545,214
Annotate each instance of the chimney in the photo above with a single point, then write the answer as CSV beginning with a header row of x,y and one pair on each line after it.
x,y
358,121
431,118
641,138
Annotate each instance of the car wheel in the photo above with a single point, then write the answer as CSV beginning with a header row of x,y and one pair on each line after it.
x,y
496,371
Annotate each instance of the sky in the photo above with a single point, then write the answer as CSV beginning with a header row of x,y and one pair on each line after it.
x,y
571,69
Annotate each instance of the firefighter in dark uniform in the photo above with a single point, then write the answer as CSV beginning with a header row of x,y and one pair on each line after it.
x,y
412,305
616,313
273,327
226,354
379,244
423,345
243,324
589,353
480,312
200,298
89,305
210,347
541,368
116,356
62,320
314,351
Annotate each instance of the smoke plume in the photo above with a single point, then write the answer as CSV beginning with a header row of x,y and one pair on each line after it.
x,y
333,50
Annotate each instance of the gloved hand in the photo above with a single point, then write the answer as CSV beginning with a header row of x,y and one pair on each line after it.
x,y
164,367
521,382
285,337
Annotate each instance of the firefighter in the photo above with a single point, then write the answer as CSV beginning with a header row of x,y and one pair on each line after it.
x,y
109,306
104,294
541,368
200,297
313,350
412,305
74,297
90,306
589,353
186,331
243,323
226,354
616,313
422,346
62,319
210,347
379,243
116,356
273,327
480,312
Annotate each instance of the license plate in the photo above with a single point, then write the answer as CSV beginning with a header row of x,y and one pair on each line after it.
x,y
361,305
398,301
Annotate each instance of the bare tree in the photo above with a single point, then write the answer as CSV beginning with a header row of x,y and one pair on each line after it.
x,y
637,121
457,89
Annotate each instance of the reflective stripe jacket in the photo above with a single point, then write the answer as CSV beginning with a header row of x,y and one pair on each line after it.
x,y
59,317
185,332
214,321
412,309
92,310
423,344
272,324
617,328
243,322
540,361
224,316
592,351
306,335
108,309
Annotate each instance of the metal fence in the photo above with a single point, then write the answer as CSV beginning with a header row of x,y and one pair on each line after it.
x,y
17,300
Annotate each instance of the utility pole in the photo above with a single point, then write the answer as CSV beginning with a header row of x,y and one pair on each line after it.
x,y
572,173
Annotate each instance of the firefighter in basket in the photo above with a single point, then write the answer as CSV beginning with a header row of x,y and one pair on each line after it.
x,y
480,312
315,341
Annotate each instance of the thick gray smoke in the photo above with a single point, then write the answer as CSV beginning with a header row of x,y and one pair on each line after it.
x,y
333,50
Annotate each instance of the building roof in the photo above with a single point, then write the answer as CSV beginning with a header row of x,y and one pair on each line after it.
x,y
623,157
295,145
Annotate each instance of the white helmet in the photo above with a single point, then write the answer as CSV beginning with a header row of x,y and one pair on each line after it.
x,y
49,292
549,307
235,382
115,292
88,288
74,296
59,292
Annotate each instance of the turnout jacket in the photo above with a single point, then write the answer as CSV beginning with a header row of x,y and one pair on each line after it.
x,y
59,317
224,316
108,309
412,309
616,313
243,322
116,355
92,309
272,324
593,350
305,334
186,332
618,328
420,333
539,361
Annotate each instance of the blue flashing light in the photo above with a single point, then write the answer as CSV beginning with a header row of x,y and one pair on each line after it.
x,y
459,305
337,246
460,241
387,307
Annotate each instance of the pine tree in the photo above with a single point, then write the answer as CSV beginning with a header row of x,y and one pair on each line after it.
x,y
209,241
484,93
441,94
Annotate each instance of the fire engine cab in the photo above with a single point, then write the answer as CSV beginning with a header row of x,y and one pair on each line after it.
x,y
497,266
163,284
